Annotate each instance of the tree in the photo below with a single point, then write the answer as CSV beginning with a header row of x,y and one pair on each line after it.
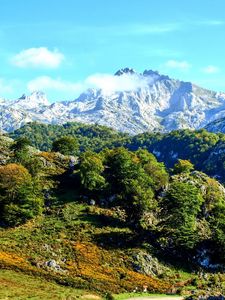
x,y
90,170
34,165
12,176
21,143
20,150
180,208
217,223
23,155
138,199
183,166
213,196
66,145
121,166
20,196
154,169
27,204
128,179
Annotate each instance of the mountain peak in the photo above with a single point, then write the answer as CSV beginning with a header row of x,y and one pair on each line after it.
x,y
151,73
38,94
155,74
23,97
33,101
125,71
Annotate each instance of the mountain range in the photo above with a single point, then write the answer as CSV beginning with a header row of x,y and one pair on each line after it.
x,y
156,103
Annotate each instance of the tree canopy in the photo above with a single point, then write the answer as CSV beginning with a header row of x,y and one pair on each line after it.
x,y
66,145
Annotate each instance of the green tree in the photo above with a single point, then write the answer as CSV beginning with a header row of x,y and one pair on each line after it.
x,y
183,166
27,204
34,165
20,197
180,208
66,145
21,143
154,169
23,155
122,166
91,171
20,150
217,222
131,183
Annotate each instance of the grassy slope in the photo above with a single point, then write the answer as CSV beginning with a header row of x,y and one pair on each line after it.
x,y
125,296
92,246
19,286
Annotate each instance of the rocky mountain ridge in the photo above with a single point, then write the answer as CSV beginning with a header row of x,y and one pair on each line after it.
x,y
155,103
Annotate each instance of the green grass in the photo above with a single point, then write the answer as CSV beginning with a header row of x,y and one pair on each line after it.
x,y
124,296
18,286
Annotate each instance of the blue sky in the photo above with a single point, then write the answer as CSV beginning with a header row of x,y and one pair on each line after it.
x,y
60,45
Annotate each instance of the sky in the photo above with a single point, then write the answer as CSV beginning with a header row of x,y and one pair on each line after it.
x,y
63,47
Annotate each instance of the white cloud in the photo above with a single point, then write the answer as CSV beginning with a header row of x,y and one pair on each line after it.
x,y
211,69
107,83
38,58
180,65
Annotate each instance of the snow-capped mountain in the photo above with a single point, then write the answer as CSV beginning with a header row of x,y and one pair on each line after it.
x,y
34,101
16,113
150,102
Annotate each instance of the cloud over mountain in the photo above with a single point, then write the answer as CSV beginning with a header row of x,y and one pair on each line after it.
x,y
106,82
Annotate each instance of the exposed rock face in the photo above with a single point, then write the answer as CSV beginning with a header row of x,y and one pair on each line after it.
x,y
147,264
149,102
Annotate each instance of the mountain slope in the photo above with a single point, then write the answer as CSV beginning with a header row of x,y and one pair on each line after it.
x,y
216,126
142,102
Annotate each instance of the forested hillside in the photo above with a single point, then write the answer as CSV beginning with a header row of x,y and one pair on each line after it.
x,y
112,220
94,137
204,149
